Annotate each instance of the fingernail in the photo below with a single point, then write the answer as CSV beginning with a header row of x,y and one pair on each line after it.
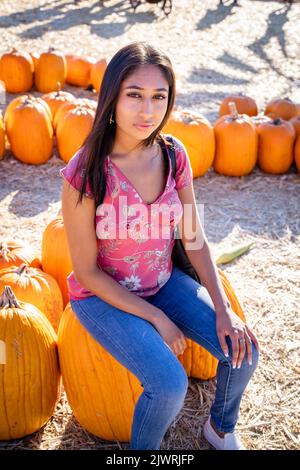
x,y
233,366
226,354
239,366
250,363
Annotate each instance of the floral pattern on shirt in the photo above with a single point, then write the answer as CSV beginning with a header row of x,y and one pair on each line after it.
x,y
140,261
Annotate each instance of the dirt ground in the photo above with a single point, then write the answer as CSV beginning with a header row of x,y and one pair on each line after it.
x,y
216,50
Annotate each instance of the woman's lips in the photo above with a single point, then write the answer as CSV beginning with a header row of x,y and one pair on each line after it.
x,y
143,126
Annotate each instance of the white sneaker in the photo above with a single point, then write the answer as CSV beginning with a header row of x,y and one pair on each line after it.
x,y
230,441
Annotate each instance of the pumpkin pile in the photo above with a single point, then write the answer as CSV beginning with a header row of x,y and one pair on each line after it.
x,y
240,139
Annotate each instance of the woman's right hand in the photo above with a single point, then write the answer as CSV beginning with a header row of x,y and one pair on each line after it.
x,y
171,334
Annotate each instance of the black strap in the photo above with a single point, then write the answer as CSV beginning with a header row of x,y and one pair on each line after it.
x,y
170,151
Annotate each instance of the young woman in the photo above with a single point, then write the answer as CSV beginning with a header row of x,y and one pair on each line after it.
x,y
123,287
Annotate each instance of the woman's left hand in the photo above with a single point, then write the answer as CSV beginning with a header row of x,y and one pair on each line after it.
x,y
229,324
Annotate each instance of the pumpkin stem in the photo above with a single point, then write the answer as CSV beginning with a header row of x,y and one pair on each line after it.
x,y
22,269
8,298
233,111
59,88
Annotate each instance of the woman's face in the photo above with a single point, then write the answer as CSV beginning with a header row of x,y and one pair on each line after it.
x,y
143,100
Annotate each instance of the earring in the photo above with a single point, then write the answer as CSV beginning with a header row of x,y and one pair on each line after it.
x,y
111,119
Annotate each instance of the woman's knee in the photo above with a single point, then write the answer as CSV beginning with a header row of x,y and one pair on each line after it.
x,y
171,384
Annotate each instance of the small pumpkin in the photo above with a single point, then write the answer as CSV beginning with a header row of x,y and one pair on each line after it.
x,y
97,73
78,70
64,108
16,70
56,99
56,258
72,130
244,105
50,71
236,144
30,381
16,253
197,135
30,133
34,286
275,146
282,108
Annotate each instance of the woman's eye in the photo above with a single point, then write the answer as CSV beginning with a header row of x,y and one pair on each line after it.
x,y
136,94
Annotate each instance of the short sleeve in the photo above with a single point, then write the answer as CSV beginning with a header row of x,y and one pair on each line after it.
x,y
74,175
184,172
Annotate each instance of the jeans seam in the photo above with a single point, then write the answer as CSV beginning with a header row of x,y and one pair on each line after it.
x,y
113,343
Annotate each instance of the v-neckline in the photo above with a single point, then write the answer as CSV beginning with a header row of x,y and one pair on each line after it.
x,y
132,185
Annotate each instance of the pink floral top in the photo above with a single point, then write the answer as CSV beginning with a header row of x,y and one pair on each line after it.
x,y
135,239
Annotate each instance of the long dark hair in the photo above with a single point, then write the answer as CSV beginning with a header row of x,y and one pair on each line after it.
x,y
99,142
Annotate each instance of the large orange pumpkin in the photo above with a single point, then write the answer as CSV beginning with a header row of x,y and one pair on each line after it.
x,y
21,100
78,70
236,144
197,135
30,133
283,108
50,71
56,258
275,146
72,130
34,286
16,70
13,253
97,73
101,391
244,105
30,380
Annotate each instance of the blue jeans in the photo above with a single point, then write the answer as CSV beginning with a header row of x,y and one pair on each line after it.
x,y
136,344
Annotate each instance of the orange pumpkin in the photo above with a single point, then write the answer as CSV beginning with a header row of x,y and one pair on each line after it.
x,y
244,105
78,70
236,144
197,135
56,99
15,253
72,130
2,137
16,70
97,73
21,100
101,391
56,258
283,108
30,133
50,71
275,146
30,380
64,108
34,286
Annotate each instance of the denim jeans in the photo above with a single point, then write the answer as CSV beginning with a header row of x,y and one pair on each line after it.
x,y
136,344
